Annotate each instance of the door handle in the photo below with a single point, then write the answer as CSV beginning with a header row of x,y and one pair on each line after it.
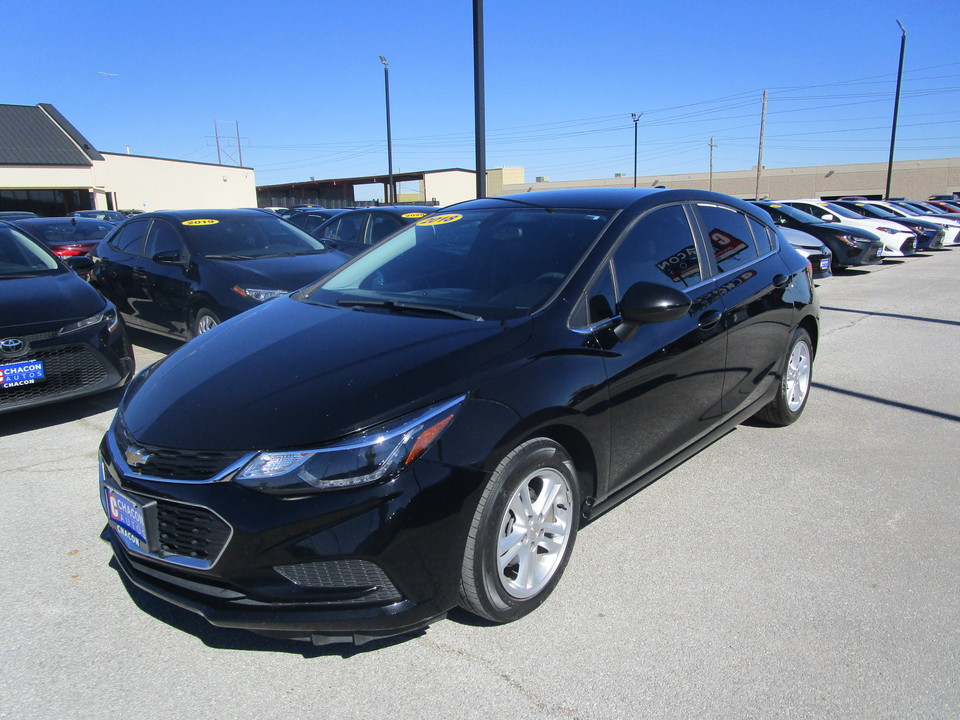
x,y
709,320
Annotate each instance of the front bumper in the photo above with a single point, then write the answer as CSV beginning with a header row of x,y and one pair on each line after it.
x,y
340,565
80,363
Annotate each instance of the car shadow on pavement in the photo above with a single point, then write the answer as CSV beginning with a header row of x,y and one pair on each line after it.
x,y
151,341
59,413
230,639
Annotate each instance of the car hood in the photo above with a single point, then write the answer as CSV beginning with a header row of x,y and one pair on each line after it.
x,y
289,374
38,304
287,272
798,238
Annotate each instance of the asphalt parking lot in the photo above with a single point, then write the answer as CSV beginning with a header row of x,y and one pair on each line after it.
x,y
806,572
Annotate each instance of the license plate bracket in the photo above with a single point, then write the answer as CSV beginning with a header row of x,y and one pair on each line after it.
x,y
24,372
133,520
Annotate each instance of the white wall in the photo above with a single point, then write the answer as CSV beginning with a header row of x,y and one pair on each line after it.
x,y
450,187
144,183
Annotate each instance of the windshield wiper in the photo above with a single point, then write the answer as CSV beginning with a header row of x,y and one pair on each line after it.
x,y
297,253
231,257
402,306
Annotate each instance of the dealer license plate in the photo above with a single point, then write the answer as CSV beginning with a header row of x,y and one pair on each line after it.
x,y
127,518
25,372
825,264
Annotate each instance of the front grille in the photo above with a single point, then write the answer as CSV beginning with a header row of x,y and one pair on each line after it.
x,y
908,246
348,575
190,531
176,464
67,369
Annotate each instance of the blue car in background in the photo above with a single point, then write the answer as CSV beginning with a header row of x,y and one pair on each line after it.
x,y
180,273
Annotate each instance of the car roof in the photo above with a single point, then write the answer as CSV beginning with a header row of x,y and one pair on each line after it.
x,y
202,214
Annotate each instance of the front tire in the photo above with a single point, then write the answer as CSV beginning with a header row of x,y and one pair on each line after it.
x,y
795,380
522,533
205,320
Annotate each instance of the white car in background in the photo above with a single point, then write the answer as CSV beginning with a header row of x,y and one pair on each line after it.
x,y
950,227
898,240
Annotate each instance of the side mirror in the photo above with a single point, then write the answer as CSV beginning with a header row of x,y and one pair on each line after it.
x,y
167,257
828,217
80,263
646,303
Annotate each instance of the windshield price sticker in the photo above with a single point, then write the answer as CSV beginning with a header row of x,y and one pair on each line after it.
x,y
440,219
410,216
21,373
200,222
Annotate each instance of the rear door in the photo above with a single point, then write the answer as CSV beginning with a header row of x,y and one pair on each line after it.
x,y
751,281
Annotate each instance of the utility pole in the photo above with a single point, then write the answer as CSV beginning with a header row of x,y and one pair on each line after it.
x,y
480,132
896,109
636,118
239,149
712,146
763,125
216,134
391,191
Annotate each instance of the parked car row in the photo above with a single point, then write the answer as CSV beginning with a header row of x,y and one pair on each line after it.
x,y
858,231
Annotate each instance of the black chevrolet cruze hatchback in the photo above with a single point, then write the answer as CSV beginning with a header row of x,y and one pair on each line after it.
x,y
428,426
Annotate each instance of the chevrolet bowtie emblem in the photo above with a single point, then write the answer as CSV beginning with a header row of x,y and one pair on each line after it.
x,y
136,456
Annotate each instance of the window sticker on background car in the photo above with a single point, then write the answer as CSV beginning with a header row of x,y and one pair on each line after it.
x,y
200,222
440,219
414,215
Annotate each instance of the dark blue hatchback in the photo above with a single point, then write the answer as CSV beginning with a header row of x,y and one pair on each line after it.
x,y
181,273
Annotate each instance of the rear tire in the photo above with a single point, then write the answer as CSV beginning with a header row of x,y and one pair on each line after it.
x,y
796,376
522,533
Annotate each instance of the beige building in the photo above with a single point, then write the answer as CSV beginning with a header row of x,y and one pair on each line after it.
x,y
916,179
48,167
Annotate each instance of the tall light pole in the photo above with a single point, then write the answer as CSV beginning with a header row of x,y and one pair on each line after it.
x,y
391,192
636,118
896,109
479,108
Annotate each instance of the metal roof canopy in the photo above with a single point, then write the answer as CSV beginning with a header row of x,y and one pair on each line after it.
x,y
384,179
40,135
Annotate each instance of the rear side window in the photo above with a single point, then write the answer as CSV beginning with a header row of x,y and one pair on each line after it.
x,y
764,237
381,226
729,235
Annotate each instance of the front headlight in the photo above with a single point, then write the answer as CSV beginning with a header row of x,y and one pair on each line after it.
x,y
108,316
846,239
889,231
380,453
258,294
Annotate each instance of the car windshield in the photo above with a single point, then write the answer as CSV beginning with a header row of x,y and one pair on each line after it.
x,y
251,235
902,210
74,230
842,211
798,215
491,264
22,257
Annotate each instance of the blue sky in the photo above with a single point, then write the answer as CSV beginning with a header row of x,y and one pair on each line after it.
x,y
304,82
